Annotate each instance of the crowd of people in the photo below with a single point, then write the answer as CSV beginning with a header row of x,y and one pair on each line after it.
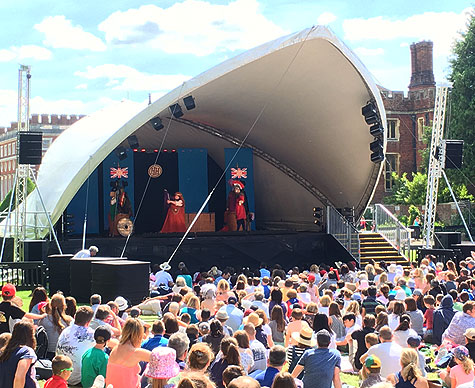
x,y
390,325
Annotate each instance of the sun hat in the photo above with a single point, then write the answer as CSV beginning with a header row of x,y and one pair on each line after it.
x,y
254,319
470,333
372,362
304,337
363,284
162,364
8,290
460,353
122,303
400,295
413,341
165,266
222,315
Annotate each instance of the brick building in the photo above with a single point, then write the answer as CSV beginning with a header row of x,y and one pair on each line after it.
x,y
50,125
406,118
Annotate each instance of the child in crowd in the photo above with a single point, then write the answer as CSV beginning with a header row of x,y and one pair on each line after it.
x,y
62,367
94,360
371,372
429,303
463,372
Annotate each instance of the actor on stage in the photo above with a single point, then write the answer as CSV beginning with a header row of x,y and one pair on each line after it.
x,y
241,216
230,218
175,221
121,207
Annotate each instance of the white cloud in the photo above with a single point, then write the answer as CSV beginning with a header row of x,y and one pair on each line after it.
x,y
192,26
326,18
368,52
8,107
15,53
81,87
122,77
440,27
60,33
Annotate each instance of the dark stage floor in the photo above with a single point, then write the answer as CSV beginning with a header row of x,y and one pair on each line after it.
x,y
237,249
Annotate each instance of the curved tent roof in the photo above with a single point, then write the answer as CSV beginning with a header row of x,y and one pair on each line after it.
x,y
296,101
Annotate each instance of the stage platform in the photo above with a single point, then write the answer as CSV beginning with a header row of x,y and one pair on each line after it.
x,y
236,249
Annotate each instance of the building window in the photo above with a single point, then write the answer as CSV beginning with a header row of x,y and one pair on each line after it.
x,y
420,128
13,148
9,149
46,143
393,129
391,165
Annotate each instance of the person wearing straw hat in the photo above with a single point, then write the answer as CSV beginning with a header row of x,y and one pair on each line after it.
x,y
163,278
321,367
304,340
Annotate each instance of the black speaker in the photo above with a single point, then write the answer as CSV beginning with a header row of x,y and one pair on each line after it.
x,y
31,147
453,153
445,240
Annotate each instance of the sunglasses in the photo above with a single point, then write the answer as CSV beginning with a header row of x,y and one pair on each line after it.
x,y
66,369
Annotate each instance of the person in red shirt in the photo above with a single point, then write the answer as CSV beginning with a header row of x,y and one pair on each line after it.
x,y
241,213
429,302
62,367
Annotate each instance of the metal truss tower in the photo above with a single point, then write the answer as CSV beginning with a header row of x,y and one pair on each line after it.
x,y
436,163
22,170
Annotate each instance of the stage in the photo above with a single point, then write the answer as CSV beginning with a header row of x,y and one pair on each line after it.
x,y
236,249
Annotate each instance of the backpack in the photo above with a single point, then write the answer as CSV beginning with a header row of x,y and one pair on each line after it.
x,y
41,342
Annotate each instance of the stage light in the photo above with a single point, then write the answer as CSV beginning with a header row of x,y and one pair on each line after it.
x,y
143,150
370,113
155,150
189,102
376,130
317,215
165,150
176,111
136,150
121,153
133,141
157,123
173,150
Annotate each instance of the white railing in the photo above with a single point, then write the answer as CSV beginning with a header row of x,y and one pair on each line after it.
x,y
388,226
344,231
35,230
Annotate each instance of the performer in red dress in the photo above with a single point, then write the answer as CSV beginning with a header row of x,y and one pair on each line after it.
x,y
175,221
241,215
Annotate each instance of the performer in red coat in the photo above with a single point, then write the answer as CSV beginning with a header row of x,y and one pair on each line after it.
x,y
175,221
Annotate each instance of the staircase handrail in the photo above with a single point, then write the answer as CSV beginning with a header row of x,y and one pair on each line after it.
x,y
344,231
398,235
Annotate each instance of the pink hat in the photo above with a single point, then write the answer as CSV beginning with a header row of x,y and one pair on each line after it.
x,y
363,284
162,364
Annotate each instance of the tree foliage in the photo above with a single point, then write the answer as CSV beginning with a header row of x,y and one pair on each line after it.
x,y
413,191
462,102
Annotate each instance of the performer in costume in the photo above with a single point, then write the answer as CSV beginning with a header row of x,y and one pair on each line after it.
x,y
230,219
120,208
175,220
241,215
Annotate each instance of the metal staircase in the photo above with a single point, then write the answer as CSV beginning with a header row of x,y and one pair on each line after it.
x,y
373,246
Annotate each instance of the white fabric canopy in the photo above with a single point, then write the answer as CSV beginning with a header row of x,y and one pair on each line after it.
x,y
302,95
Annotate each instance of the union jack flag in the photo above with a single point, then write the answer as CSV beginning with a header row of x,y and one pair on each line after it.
x,y
238,173
119,172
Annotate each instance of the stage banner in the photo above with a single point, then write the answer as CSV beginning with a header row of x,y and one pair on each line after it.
x,y
242,169
193,177
117,173
77,207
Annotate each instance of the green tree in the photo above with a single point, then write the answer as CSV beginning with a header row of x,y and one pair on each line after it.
x,y
462,103
413,192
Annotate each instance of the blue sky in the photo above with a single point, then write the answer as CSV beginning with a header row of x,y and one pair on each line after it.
x,y
87,54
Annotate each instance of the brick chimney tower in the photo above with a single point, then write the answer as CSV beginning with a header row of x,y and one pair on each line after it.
x,y
422,74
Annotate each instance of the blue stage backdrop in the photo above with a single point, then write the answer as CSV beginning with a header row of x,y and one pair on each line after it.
x,y
78,204
127,166
193,177
241,169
